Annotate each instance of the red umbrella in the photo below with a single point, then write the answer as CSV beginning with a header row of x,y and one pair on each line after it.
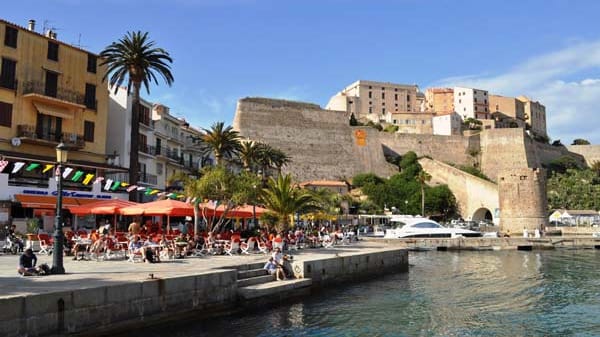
x,y
160,207
112,206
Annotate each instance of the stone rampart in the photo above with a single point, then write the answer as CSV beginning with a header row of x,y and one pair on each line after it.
x,y
504,149
523,203
474,195
320,142
590,153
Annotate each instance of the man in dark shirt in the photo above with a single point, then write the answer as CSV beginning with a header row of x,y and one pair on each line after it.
x,y
27,263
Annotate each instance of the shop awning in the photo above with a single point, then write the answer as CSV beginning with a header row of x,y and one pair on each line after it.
x,y
49,202
50,110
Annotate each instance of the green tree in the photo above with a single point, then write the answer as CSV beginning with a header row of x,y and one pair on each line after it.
x,y
136,60
362,179
574,189
423,177
248,153
222,140
562,164
284,199
580,141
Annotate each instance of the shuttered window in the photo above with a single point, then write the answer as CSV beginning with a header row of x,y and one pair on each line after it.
x,y
88,131
10,37
5,114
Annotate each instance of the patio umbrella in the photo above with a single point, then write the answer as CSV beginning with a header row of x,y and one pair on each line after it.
x,y
166,207
112,206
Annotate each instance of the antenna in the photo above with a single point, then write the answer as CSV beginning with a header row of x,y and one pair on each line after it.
x,y
78,44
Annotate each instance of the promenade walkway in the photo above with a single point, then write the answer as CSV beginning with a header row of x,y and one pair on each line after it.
x,y
93,274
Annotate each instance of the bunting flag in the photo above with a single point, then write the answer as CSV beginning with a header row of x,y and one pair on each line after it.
x,y
3,164
131,188
124,184
188,200
77,176
160,194
193,199
47,168
17,167
147,191
108,184
32,167
116,185
67,172
154,192
87,179
98,180
141,188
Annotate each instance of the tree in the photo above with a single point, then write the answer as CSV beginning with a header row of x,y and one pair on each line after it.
x,y
248,153
284,199
222,140
596,167
353,121
580,141
135,59
557,143
423,177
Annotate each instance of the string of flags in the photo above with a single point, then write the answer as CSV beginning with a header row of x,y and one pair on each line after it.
x,y
79,176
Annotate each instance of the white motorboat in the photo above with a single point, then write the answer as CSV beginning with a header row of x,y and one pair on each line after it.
x,y
419,227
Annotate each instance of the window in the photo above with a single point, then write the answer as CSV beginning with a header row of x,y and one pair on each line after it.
x,y
8,74
370,109
52,51
48,128
90,96
143,143
383,95
395,121
370,87
396,105
395,89
382,88
370,94
408,98
382,103
91,63
370,102
88,131
395,97
144,112
5,114
51,84
383,111
10,37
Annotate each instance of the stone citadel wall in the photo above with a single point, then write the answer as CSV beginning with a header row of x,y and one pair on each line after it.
x,y
591,153
320,142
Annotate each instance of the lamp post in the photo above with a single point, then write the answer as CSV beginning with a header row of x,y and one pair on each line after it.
x,y
57,258
254,206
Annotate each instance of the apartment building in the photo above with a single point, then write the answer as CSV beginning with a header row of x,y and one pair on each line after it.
x,y
50,92
419,123
507,111
471,103
439,101
535,116
449,124
376,101
118,139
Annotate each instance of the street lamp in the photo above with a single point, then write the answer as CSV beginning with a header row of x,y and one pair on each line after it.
x,y
254,206
57,258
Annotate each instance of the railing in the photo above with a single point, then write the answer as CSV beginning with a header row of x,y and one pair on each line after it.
x,y
9,83
169,153
149,149
50,135
36,87
147,178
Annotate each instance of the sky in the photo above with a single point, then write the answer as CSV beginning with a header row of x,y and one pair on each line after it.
x,y
224,50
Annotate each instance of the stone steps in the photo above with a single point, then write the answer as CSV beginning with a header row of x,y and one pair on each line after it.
x,y
272,288
244,274
254,280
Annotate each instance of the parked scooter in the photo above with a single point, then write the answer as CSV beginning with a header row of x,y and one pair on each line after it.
x,y
11,243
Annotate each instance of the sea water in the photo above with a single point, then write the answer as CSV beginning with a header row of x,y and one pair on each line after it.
x,y
502,293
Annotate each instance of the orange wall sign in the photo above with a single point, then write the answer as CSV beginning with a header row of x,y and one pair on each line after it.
x,y
361,137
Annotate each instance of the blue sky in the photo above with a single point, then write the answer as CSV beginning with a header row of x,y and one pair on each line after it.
x,y
308,50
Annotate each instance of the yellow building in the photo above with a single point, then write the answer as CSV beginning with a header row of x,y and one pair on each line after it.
x,y
50,92
439,101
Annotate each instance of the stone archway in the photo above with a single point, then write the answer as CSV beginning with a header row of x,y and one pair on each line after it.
x,y
482,214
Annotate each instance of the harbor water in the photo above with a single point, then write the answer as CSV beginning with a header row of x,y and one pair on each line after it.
x,y
504,293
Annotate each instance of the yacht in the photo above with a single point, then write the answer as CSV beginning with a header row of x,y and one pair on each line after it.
x,y
419,227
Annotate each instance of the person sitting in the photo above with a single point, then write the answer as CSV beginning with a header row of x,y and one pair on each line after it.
x,y
181,246
278,260
99,246
166,247
271,267
12,233
151,251
27,263
136,246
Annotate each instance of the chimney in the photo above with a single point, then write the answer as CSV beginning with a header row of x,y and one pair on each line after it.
x,y
31,25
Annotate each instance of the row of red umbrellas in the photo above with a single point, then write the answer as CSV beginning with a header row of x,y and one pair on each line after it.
x,y
162,207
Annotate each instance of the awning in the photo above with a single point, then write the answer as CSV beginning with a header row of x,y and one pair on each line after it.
x,y
48,202
55,111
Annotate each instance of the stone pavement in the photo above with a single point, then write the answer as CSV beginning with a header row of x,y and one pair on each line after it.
x,y
92,274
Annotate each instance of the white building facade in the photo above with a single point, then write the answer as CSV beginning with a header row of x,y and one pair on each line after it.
x,y
471,103
447,125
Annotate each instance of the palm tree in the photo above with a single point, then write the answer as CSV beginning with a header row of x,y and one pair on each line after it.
x,y
279,159
247,153
284,199
224,141
423,177
135,59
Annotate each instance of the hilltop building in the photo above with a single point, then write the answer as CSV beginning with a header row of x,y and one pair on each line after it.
x,y
439,101
377,101
535,116
471,103
50,92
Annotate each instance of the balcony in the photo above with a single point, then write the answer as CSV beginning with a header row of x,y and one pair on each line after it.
x,y
147,149
169,153
49,137
61,96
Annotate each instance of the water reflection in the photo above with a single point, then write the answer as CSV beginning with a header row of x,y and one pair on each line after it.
x,y
507,293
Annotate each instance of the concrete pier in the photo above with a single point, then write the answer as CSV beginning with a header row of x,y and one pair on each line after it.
x,y
99,297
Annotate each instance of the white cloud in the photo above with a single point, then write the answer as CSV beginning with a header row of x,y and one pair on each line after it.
x,y
561,80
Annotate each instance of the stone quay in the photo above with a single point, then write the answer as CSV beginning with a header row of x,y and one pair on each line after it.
x,y
103,297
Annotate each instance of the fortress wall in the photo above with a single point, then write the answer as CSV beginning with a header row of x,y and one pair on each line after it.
x,y
505,149
455,149
472,193
320,142
523,201
590,153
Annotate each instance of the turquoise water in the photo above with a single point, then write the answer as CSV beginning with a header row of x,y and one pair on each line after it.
x,y
512,293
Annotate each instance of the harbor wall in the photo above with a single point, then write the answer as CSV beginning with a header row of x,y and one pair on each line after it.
x,y
121,306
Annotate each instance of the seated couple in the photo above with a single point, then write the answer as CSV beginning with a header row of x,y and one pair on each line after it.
x,y
279,265
149,254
